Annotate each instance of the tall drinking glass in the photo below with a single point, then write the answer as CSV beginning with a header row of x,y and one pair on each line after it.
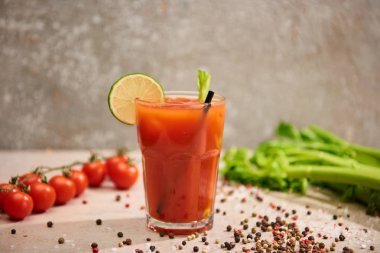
x,y
180,140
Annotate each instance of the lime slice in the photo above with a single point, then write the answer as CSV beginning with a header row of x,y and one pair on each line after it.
x,y
123,93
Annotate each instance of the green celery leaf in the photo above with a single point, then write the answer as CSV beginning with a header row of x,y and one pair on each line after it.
x,y
204,79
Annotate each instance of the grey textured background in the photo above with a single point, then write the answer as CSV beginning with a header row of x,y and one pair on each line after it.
x,y
303,61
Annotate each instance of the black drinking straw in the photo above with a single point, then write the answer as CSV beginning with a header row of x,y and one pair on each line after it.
x,y
209,97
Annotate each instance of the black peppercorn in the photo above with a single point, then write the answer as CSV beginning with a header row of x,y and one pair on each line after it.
x,y
120,234
13,231
49,224
195,249
98,222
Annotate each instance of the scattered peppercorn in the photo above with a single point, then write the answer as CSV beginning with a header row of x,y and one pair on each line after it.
x,y
61,240
372,248
224,213
128,241
308,212
335,216
120,234
204,239
217,210
98,222
117,198
229,228
13,231
162,233
152,248
195,249
342,237
171,235
183,243
49,224
94,245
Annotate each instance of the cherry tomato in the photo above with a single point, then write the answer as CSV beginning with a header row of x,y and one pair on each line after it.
x,y
112,161
80,180
96,172
28,179
123,175
43,196
5,189
18,205
64,188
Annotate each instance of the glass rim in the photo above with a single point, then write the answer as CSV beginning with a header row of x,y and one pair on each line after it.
x,y
217,99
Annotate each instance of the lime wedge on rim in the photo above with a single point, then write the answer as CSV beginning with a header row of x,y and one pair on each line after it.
x,y
123,93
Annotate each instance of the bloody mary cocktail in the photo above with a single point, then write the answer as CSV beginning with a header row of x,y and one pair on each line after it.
x,y
180,141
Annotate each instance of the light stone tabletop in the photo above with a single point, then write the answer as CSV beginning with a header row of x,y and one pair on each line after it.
x,y
76,221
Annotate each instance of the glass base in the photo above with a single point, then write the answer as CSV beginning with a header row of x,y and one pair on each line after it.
x,y
179,228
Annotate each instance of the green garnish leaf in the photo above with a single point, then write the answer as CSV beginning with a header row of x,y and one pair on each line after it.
x,y
204,79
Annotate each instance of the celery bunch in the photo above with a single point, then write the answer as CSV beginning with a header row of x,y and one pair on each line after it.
x,y
311,155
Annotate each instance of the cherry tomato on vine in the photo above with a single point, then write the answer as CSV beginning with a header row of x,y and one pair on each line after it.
x,y
43,196
28,179
80,180
123,175
18,205
5,189
64,188
112,161
96,172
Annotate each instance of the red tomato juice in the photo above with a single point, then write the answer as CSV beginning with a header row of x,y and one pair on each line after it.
x,y
180,141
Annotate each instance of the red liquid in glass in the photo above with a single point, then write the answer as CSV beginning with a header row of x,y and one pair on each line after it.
x,y
180,143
